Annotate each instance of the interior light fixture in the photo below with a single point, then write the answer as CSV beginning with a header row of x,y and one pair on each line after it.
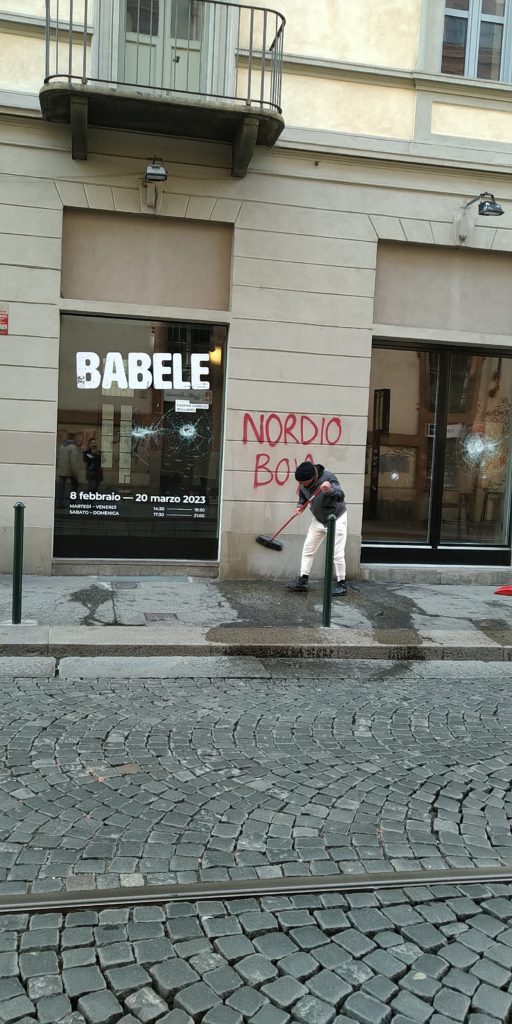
x,y
216,355
487,205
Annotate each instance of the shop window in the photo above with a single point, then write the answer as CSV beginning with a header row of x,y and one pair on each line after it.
x,y
439,475
476,41
139,439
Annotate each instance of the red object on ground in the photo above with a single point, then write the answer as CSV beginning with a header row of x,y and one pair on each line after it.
x,y
506,591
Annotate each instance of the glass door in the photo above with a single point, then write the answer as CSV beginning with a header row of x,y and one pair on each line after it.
x,y
438,466
476,478
142,46
399,449
162,44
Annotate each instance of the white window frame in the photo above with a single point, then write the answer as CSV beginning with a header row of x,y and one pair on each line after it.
x,y
474,17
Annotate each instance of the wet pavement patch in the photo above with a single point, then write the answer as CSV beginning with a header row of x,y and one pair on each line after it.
x,y
160,616
367,606
92,598
497,630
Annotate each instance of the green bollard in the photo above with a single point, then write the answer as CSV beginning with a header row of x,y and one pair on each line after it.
x,y
17,562
329,562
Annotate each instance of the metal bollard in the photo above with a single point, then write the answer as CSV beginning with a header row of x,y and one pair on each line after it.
x,y
17,562
329,562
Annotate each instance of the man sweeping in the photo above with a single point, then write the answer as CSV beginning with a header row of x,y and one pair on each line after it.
x,y
329,500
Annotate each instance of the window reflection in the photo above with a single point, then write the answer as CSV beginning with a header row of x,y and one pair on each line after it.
x,y
454,46
138,457
465,399
495,7
142,17
397,485
473,39
186,19
477,466
489,53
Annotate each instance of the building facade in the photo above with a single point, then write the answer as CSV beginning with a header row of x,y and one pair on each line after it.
x,y
229,244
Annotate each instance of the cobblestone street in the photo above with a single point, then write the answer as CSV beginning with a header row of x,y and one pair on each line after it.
x,y
373,767
419,954
305,769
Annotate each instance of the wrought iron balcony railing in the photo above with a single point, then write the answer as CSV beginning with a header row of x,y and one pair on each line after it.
x,y
200,53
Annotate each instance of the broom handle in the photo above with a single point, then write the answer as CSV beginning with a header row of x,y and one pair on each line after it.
x,y
288,521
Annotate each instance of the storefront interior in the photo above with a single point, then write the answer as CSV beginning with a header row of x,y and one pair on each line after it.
x,y
138,467
438,464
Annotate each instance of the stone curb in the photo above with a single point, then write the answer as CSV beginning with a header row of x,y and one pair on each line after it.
x,y
268,642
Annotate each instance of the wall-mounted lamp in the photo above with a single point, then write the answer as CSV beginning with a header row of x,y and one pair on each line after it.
x,y
153,185
487,205
464,223
155,172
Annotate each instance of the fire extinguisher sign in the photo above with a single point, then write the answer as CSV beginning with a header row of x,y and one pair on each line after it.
x,y
4,319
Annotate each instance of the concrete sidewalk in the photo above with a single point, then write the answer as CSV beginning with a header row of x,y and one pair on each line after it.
x,y
196,616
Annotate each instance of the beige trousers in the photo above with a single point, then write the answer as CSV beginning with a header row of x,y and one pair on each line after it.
x,y
314,538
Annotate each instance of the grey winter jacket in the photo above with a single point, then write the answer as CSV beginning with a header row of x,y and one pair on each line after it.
x,y
69,461
324,504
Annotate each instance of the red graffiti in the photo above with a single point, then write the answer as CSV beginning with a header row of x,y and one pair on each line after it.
x,y
272,429
266,473
291,428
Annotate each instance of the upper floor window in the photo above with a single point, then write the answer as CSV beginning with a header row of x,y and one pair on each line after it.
x,y
182,18
475,40
142,17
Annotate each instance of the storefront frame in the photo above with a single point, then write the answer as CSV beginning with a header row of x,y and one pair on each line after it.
x,y
435,551
172,316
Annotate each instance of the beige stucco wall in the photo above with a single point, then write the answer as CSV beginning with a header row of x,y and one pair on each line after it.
x,y
472,122
306,228
360,31
423,286
295,322
22,67
114,258
343,106
300,319
383,33
36,9
327,44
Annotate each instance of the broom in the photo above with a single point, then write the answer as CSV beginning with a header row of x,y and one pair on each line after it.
x,y
271,542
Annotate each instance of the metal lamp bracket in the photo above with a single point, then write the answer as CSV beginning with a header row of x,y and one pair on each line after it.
x,y
151,193
464,223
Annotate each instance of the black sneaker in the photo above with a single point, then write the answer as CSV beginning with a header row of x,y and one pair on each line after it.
x,y
300,584
340,589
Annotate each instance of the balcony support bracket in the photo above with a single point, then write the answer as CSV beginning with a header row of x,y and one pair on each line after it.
x,y
244,145
78,116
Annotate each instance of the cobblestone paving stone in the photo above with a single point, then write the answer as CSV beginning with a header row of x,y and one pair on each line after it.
x,y
372,767
307,958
